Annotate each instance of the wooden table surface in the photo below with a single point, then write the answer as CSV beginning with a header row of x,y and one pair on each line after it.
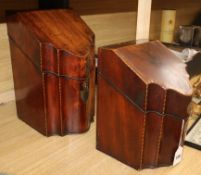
x,y
23,151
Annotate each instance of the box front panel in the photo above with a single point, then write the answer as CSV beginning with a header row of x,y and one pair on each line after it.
x,y
52,102
177,104
68,77
73,110
66,110
172,132
152,140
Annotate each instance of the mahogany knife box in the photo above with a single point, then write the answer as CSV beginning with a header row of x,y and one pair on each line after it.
x,y
143,95
52,55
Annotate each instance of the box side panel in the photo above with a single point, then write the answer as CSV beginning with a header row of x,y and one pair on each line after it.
x,y
119,74
28,90
151,140
120,126
177,104
25,40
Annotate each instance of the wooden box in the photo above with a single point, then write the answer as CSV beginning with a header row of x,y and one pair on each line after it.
x,y
143,94
53,68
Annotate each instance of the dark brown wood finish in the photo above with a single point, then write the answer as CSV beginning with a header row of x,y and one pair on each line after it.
x,y
53,64
148,88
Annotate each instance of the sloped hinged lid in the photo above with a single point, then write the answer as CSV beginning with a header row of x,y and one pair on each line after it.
x,y
149,75
51,38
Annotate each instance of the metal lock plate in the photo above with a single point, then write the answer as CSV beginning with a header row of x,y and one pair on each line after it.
x,y
84,92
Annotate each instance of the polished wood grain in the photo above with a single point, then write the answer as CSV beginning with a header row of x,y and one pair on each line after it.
x,y
25,151
38,24
53,65
152,62
150,91
118,125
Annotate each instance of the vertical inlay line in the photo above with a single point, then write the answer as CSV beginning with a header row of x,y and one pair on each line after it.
x,y
44,89
60,89
161,129
144,126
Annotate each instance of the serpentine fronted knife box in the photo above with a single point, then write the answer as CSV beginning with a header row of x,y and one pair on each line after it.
x,y
53,68
143,94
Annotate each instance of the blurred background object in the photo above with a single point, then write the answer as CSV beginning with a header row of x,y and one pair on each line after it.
x,y
167,26
197,37
197,20
185,35
189,36
194,70
194,66
195,106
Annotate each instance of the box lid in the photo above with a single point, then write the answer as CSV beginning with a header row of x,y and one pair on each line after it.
x,y
51,34
148,74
